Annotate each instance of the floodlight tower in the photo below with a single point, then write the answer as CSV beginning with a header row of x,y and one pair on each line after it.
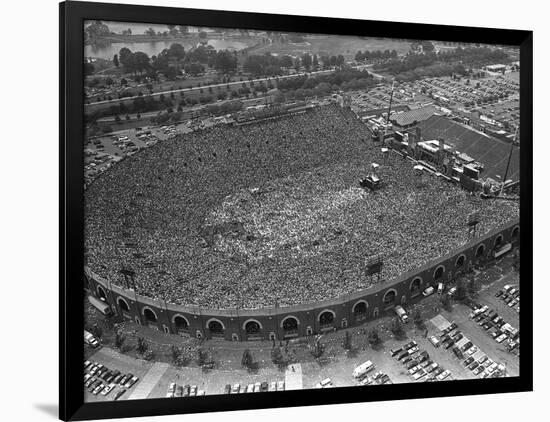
x,y
508,164
389,110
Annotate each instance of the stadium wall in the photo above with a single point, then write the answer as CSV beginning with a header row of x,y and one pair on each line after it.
x,y
305,319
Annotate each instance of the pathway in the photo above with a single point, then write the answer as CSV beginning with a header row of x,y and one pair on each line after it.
x,y
151,378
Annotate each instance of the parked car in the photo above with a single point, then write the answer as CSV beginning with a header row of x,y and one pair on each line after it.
x,y
472,350
466,346
449,344
457,352
131,382
479,370
119,394
98,389
394,352
410,345
432,367
420,374
403,355
501,338
414,369
326,383
435,342
468,361
108,389
458,336
171,390
443,375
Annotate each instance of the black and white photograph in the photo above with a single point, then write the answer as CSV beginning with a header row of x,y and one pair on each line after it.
x,y
268,211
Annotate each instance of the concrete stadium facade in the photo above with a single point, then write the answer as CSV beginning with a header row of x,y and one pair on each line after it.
x,y
305,319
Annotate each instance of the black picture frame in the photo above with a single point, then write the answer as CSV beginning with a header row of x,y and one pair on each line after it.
x,y
72,15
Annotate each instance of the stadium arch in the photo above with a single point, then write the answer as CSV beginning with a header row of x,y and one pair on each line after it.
x,y
460,261
438,273
498,241
415,287
252,327
480,250
149,315
123,305
326,317
180,322
290,323
359,310
515,234
389,297
101,293
215,327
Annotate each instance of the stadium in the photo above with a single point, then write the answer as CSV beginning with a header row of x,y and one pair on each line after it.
x,y
262,230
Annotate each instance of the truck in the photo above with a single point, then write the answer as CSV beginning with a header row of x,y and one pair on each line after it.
x,y
400,312
90,339
429,291
363,369
101,306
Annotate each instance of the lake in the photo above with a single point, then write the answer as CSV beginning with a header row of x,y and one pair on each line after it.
x,y
154,47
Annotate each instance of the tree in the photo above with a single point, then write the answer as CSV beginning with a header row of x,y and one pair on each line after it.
x,y
397,328
141,61
347,344
306,61
418,320
247,360
446,302
148,354
142,345
176,352
277,357
461,293
194,69
428,47
318,348
374,338
88,68
516,261
97,331
225,61
473,287
115,60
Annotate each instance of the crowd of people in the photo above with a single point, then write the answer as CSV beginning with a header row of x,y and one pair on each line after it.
x,y
270,214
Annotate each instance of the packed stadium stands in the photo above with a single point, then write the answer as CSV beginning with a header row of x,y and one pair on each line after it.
x,y
246,216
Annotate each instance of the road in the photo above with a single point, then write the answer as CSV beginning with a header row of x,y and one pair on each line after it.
x,y
175,91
